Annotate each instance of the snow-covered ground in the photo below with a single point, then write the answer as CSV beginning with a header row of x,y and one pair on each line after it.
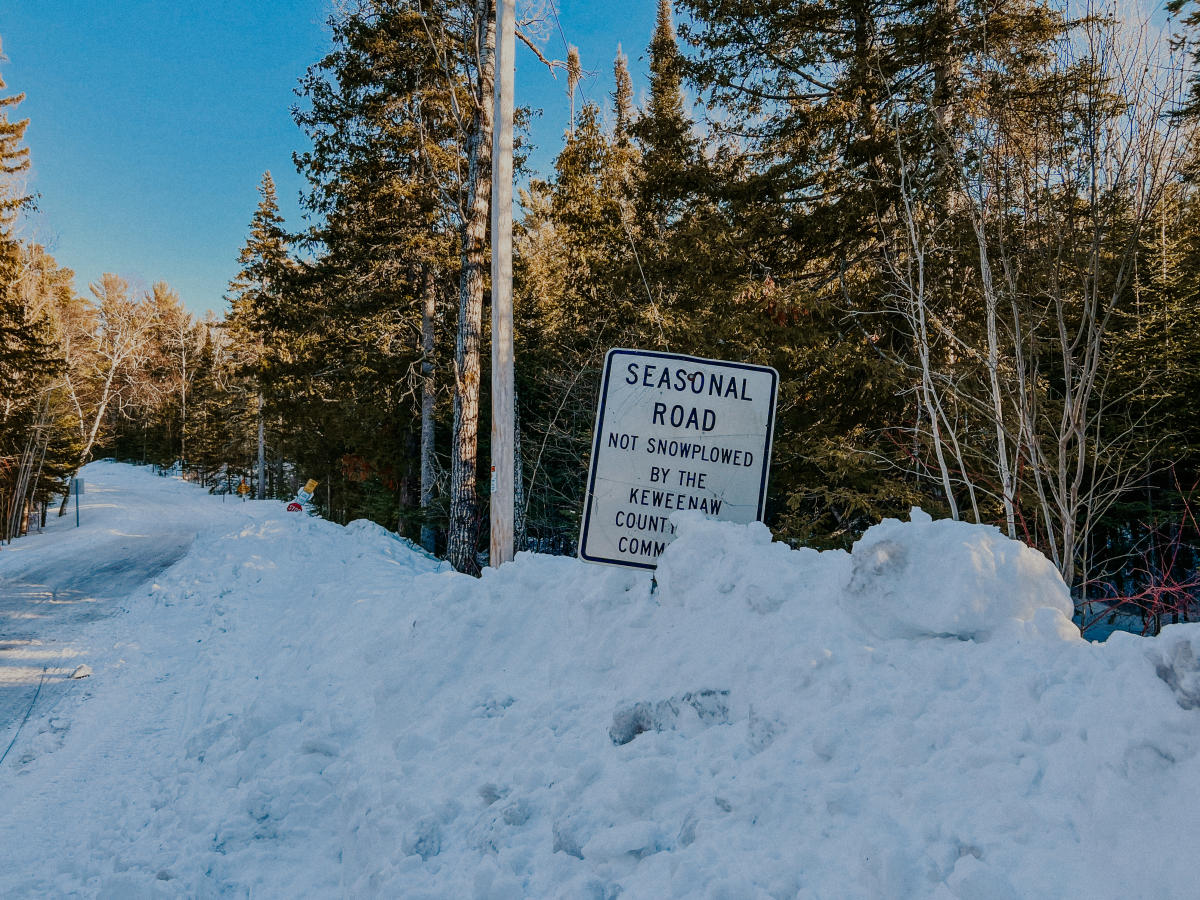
x,y
294,709
54,586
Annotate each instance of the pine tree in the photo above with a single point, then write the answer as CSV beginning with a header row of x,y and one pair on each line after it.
x,y
670,155
259,315
622,98
575,297
258,330
254,292
1186,38
841,124
29,357
574,74
390,136
14,159
18,354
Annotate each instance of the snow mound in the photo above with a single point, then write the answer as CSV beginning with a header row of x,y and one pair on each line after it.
x,y
374,536
1177,663
950,579
300,709
739,568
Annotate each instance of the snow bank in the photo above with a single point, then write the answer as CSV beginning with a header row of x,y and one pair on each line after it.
x,y
951,579
319,711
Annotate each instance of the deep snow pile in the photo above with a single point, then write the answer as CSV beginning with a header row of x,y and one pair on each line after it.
x,y
300,709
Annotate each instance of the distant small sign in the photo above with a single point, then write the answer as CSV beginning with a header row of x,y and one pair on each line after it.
x,y
303,495
674,432
306,493
77,486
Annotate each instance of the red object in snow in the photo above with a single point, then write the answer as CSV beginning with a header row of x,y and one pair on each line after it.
x,y
294,507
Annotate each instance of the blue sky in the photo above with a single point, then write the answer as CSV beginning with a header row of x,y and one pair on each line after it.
x,y
152,121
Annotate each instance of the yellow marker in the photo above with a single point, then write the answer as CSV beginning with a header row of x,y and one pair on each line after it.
x,y
243,488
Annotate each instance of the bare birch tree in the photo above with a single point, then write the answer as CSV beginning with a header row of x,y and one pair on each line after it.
x,y
1089,200
119,347
1058,186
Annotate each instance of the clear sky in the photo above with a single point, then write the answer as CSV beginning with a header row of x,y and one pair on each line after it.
x,y
152,121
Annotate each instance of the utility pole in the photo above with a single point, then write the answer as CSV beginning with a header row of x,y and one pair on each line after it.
x,y
503,412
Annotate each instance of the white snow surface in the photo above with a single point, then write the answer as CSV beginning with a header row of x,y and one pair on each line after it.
x,y
293,708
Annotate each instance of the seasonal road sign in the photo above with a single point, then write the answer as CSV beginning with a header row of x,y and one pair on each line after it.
x,y
674,432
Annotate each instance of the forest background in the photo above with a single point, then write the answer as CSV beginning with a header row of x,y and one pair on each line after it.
x,y
965,234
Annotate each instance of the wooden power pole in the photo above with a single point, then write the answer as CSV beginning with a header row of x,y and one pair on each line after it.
x,y
503,413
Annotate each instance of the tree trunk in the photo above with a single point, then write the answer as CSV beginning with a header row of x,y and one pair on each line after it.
x,y
183,385
260,493
105,397
18,516
1004,469
428,396
947,71
518,480
463,534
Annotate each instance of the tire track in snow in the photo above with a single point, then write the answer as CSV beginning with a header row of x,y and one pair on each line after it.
x,y
48,604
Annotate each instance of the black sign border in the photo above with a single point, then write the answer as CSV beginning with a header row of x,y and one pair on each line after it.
x,y
596,441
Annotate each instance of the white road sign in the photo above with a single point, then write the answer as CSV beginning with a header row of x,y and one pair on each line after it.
x,y
674,432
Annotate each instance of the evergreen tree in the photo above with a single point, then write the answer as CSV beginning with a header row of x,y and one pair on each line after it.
x,y
14,160
851,128
1148,540
20,347
258,335
255,290
29,358
622,98
577,293
387,177
670,155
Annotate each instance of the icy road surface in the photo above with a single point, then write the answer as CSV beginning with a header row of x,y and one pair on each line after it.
x,y
54,585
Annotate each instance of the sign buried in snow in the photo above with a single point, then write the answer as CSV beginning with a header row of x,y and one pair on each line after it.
x,y
674,432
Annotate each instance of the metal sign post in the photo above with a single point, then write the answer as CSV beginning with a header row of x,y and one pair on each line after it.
x,y
76,489
674,433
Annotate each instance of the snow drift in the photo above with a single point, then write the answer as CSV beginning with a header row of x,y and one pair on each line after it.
x,y
296,708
